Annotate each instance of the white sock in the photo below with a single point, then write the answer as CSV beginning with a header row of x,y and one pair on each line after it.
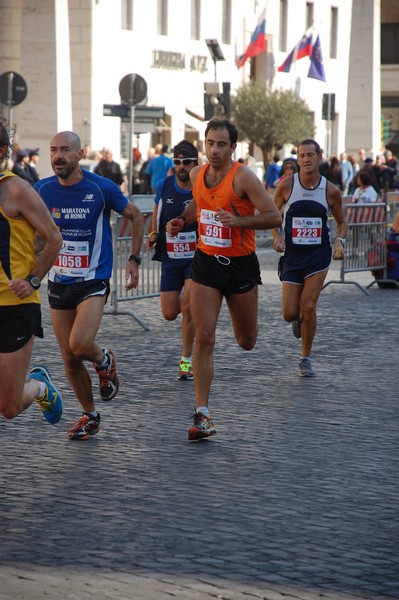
x,y
186,359
42,389
105,362
204,410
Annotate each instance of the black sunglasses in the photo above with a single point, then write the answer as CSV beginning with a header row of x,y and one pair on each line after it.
x,y
184,161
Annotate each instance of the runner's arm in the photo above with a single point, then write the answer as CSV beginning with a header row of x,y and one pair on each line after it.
x,y
248,185
281,194
137,233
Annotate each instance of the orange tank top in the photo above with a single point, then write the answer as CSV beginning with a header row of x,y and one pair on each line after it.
x,y
213,238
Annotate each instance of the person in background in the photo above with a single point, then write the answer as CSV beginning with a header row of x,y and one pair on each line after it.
x,y
272,173
378,170
324,165
355,168
288,168
362,157
80,203
334,172
32,164
173,195
391,172
346,173
137,183
365,192
109,168
20,167
159,167
23,215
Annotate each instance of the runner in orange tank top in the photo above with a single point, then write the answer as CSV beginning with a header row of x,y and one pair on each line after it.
x,y
229,202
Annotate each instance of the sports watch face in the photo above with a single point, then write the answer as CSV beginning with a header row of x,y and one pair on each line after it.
x,y
34,281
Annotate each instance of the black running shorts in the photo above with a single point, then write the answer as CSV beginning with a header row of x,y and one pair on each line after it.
x,y
235,275
66,296
18,324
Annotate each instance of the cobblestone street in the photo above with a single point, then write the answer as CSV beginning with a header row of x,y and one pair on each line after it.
x,y
296,497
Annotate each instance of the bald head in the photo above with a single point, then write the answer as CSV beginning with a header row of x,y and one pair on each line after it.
x,y
65,154
67,138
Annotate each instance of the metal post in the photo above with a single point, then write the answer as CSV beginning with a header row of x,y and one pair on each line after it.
x,y
130,171
10,98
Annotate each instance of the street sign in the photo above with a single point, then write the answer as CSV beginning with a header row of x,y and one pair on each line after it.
x,y
143,114
132,89
116,110
13,88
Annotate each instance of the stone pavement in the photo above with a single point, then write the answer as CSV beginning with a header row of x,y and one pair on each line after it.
x,y
295,498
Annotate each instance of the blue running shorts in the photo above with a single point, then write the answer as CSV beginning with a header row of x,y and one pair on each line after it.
x,y
174,273
295,268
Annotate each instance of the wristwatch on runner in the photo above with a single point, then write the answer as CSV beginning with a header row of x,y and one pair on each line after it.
x,y
34,281
137,259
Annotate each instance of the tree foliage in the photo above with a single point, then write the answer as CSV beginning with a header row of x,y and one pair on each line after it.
x,y
270,119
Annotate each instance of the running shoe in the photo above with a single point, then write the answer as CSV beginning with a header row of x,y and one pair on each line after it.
x,y
84,427
305,368
202,427
51,401
296,328
185,370
109,382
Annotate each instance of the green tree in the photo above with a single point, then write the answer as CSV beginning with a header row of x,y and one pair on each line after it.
x,y
270,119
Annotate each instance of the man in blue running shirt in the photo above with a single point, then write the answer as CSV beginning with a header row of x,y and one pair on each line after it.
x,y
80,204
173,195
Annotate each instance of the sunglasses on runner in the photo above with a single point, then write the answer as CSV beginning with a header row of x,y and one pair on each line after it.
x,y
184,161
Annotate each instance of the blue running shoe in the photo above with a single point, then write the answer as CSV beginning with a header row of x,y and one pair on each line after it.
x,y
51,402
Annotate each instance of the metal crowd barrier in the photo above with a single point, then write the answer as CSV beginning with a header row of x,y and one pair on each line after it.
x,y
149,272
366,248
392,200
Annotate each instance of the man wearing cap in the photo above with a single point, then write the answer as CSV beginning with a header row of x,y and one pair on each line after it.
x,y
33,160
173,194
20,167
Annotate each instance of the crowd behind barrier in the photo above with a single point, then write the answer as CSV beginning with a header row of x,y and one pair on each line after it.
x,y
366,247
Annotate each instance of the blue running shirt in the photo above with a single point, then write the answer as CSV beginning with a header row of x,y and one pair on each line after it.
x,y
82,212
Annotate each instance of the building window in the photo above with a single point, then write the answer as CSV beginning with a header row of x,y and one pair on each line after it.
x,y
283,26
226,24
195,19
162,17
309,14
390,43
127,14
334,32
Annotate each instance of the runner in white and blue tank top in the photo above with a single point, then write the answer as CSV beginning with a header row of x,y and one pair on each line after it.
x,y
305,199
305,217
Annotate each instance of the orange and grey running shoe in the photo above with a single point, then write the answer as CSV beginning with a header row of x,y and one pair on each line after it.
x,y
202,427
185,370
84,427
109,382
